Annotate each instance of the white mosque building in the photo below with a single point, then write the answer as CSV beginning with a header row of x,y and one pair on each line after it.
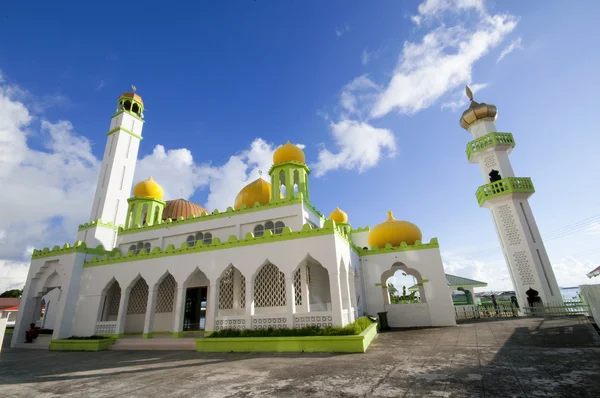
x,y
145,266
150,266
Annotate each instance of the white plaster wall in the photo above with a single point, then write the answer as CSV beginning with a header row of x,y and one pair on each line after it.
x,y
408,315
163,321
134,323
52,305
361,239
481,128
294,222
318,289
221,233
309,215
98,236
429,264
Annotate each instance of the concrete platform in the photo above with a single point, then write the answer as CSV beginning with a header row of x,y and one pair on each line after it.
x,y
517,357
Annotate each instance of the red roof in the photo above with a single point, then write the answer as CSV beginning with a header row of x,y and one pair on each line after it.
x,y
6,302
13,308
595,272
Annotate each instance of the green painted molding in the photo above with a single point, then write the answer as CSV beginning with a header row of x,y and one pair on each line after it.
x,y
131,133
129,113
98,223
177,335
290,163
307,231
314,209
78,247
146,335
364,229
214,215
81,345
489,140
504,186
404,247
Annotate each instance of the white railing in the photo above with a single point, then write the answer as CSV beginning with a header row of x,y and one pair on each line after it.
x,y
557,309
320,319
231,322
106,328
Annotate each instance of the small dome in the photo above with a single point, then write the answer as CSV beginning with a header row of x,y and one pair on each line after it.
x,y
148,189
394,232
181,208
339,216
133,96
288,153
477,111
257,191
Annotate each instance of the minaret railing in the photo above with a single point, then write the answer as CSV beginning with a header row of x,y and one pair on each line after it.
x,y
503,187
489,141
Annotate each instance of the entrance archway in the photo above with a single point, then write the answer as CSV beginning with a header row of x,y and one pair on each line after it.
x,y
196,301
393,295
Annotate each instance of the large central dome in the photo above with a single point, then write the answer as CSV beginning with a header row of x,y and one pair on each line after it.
x,y
257,191
181,208
394,232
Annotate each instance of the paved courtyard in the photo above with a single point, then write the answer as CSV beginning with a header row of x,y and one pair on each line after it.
x,y
529,357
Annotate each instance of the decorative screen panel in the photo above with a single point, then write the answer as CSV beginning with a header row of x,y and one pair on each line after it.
x,y
298,287
226,290
242,291
524,268
166,294
114,298
509,226
269,288
138,298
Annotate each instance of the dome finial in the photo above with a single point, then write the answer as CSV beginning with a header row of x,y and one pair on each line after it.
x,y
390,215
469,93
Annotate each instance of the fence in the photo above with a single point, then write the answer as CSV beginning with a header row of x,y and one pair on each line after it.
x,y
591,295
569,307
485,311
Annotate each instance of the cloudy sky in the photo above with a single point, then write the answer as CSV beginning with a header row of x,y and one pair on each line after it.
x,y
373,90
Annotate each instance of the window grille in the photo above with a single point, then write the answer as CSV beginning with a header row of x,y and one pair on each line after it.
x,y
269,290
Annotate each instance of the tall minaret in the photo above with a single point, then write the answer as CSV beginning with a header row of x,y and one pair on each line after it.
x,y
506,197
109,209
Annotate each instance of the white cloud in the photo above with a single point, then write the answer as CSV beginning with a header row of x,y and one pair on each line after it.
x,y
459,99
358,96
594,228
435,8
339,32
514,45
359,146
101,85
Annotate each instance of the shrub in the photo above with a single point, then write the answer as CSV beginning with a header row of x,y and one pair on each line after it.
x,y
93,337
353,329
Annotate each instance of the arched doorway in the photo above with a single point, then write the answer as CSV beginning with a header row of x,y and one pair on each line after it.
x,y
196,301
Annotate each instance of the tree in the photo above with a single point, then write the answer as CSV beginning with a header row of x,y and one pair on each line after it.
x,y
14,293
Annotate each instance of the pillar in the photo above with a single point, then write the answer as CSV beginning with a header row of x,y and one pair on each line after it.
x,y
150,309
347,300
336,298
179,311
290,299
212,305
123,304
304,287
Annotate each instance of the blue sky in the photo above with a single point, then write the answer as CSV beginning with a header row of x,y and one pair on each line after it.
x,y
373,90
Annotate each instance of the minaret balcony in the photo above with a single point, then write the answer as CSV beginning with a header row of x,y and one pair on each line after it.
x,y
503,141
509,185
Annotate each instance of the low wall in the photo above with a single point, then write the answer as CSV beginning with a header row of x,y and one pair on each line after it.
x,y
358,343
408,315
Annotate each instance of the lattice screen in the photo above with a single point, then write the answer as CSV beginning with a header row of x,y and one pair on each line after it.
x,y
524,268
114,297
269,288
490,162
165,296
313,320
243,292
298,287
509,225
138,298
226,290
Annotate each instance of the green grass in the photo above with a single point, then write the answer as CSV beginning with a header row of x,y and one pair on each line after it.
x,y
353,329
9,331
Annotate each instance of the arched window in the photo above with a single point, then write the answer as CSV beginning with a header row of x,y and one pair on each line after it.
x,y
135,108
199,237
147,246
127,105
270,226
139,247
132,248
259,231
279,225
191,240
207,238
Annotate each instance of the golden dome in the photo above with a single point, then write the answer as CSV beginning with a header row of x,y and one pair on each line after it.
x,y
288,153
148,189
394,232
339,216
257,191
182,208
477,111
133,96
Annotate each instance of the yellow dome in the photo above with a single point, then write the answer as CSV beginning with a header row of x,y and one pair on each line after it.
x,y
288,153
394,232
148,189
339,216
257,191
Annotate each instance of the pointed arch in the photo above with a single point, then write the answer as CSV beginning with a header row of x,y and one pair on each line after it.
x,y
269,286
232,292
110,301
399,266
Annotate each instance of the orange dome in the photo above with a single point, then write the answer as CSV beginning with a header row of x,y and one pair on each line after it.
x,y
288,153
148,189
257,191
182,208
394,232
339,216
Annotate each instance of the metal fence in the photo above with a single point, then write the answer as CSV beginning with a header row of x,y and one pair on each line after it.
x,y
569,307
485,311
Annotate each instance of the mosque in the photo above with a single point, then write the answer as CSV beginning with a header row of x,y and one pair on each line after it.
x,y
148,266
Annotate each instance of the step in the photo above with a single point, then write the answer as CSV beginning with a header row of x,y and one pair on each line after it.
x,y
154,344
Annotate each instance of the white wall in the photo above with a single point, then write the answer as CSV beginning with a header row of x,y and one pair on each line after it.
x,y
52,301
408,315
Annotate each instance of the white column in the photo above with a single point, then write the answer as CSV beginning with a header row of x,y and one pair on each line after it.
x,y
212,305
336,298
150,308
290,299
179,312
304,287
348,298
386,295
123,304
249,310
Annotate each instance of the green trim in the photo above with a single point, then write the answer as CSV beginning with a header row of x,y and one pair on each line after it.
x,y
503,187
129,113
358,343
488,141
81,345
147,335
215,214
314,210
307,231
98,223
290,163
125,131
359,229
177,335
404,247
78,247
154,209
